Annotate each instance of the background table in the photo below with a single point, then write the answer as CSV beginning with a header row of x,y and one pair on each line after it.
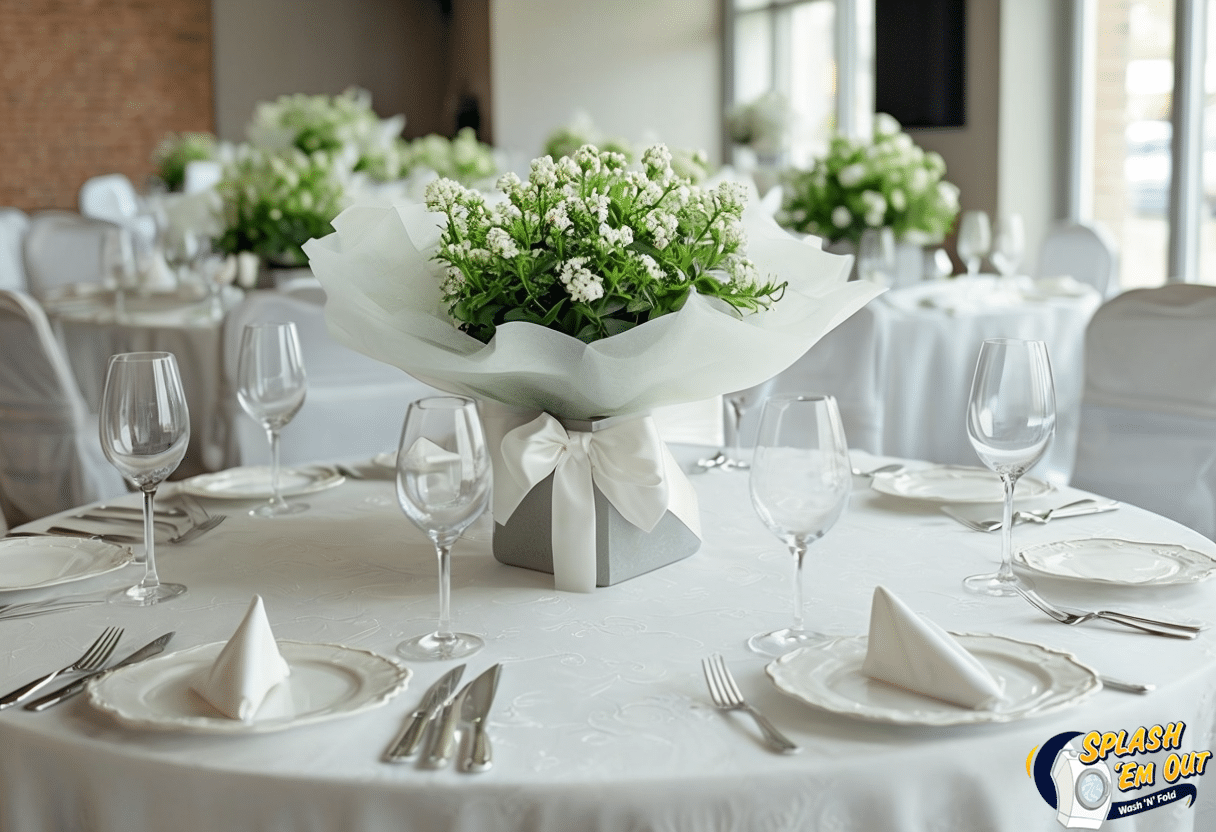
x,y
184,324
902,366
602,720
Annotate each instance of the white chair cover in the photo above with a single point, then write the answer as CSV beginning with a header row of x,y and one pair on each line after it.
x,y
50,455
63,248
845,363
1148,417
13,225
355,405
1084,251
109,197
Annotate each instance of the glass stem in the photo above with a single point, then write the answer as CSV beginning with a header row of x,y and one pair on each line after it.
x,y
276,499
733,417
798,549
151,580
444,630
1006,571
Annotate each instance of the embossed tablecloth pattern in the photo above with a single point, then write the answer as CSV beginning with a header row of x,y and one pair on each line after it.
x,y
602,720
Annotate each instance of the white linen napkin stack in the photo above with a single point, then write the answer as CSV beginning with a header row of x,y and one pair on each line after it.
x,y
247,670
913,653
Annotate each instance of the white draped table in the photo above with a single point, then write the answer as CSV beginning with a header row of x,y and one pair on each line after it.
x,y
602,720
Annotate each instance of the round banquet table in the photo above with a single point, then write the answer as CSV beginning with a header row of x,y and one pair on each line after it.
x,y
602,720
179,321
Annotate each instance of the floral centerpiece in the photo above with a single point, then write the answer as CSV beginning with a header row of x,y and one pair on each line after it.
x,y
463,158
582,298
274,201
579,132
889,181
761,124
333,124
176,150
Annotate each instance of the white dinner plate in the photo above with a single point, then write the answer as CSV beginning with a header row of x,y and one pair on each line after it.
x,y
33,562
955,484
1036,680
1110,560
252,482
327,681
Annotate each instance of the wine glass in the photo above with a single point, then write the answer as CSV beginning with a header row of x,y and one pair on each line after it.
x,y
974,240
145,428
876,256
119,266
443,485
800,484
1008,245
270,387
1011,417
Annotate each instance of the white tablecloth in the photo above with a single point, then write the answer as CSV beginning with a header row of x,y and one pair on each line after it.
x,y
602,720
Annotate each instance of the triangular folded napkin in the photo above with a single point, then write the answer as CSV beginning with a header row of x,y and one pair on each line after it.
x,y
914,653
246,670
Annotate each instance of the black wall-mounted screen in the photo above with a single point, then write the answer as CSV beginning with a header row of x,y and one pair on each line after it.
x,y
920,57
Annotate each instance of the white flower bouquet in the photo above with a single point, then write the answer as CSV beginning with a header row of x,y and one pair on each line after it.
x,y
858,185
274,201
176,150
592,290
463,158
334,124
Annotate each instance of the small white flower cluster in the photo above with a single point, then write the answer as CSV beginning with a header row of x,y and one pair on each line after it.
x,y
857,185
591,246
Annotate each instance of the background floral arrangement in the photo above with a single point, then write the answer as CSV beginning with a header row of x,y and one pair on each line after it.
x,y
760,123
333,123
464,158
591,248
858,185
176,150
567,139
274,201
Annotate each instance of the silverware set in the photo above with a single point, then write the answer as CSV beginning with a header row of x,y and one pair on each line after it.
x,y
93,658
1157,627
438,717
1078,508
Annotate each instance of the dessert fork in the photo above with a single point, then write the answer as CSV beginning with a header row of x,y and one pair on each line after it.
x,y
728,697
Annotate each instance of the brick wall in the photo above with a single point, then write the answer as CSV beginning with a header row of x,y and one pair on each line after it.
x,y
90,86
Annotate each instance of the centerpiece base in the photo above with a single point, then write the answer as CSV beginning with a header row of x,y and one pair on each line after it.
x,y
622,550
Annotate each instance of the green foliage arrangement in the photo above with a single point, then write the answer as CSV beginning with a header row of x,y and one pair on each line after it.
x,y
177,150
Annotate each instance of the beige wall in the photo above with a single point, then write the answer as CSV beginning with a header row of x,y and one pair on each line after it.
x,y
397,50
641,71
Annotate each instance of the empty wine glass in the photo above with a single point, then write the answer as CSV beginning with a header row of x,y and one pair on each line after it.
x,y
1011,417
876,256
119,266
800,484
735,407
443,485
974,240
145,428
270,387
1008,244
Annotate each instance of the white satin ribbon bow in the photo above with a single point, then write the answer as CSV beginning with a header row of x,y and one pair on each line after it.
x,y
627,461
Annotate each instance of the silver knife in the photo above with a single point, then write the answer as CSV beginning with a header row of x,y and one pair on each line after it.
x,y
442,747
406,742
474,709
68,691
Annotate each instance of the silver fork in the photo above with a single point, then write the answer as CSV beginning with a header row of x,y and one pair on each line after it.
x,y
93,658
728,697
1148,625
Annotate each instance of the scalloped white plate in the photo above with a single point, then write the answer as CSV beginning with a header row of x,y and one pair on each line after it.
x,y
955,484
252,482
1037,680
33,562
328,681
1109,560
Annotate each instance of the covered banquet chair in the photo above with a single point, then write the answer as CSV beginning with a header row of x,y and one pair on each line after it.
x,y
63,248
13,224
1148,413
50,455
354,407
1083,251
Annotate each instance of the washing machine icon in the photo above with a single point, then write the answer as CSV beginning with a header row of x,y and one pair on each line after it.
x,y
1083,792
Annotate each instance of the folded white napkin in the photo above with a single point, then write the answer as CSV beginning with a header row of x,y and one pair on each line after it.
x,y
246,670
914,653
